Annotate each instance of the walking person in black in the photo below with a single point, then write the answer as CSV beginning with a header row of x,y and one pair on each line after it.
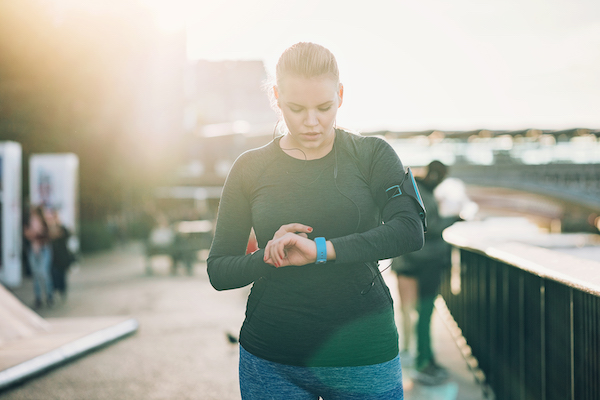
x,y
62,257
419,277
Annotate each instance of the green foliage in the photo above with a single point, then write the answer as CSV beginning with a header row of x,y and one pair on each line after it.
x,y
95,236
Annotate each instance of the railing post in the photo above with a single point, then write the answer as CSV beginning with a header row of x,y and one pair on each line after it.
x,y
543,338
572,343
522,348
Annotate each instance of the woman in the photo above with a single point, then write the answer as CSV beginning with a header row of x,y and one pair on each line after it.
x,y
419,277
39,255
319,319
62,257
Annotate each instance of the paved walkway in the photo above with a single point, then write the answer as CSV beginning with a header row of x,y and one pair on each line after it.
x,y
181,349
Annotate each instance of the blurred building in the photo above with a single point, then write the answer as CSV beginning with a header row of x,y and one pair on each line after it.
x,y
226,112
220,92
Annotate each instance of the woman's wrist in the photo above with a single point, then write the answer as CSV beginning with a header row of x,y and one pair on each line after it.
x,y
324,250
330,251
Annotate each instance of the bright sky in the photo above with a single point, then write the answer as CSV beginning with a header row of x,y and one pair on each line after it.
x,y
425,64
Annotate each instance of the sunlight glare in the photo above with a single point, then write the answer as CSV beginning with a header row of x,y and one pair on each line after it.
x,y
169,14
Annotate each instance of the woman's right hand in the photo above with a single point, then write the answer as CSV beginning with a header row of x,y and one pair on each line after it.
x,y
294,228
290,249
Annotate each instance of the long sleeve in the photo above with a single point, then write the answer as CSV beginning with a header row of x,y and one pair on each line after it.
x,y
402,230
228,265
314,315
401,233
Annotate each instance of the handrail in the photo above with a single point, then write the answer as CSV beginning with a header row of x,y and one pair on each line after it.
x,y
530,314
523,246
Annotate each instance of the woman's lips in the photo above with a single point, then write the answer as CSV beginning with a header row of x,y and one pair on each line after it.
x,y
311,135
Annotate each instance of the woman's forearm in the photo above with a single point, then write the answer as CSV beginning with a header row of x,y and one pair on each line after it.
x,y
232,272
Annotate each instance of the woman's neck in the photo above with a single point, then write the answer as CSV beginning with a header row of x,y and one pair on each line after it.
x,y
295,150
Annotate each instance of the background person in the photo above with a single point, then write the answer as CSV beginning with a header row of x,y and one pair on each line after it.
x,y
39,256
319,318
419,277
62,257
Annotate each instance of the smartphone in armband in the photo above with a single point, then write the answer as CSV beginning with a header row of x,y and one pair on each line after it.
x,y
408,187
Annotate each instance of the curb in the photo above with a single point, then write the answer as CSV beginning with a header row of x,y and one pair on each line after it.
x,y
66,353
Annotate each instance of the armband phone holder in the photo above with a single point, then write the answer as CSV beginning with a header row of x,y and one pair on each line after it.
x,y
408,187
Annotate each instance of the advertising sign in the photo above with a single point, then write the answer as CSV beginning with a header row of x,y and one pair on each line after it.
x,y
11,217
53,183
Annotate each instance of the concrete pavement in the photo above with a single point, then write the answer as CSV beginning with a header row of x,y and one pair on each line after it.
x,y
180,350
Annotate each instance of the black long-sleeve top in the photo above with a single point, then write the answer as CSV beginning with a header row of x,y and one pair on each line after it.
x,y
334,314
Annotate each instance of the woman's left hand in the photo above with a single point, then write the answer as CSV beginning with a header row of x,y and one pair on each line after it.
x,y
290,249
297,228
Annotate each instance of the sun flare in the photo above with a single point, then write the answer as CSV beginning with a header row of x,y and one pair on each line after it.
x,y
170,15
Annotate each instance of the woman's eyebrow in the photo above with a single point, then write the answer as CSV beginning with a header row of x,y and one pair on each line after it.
x,y
290,103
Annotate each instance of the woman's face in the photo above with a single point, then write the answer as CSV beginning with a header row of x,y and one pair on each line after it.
x,y
309,107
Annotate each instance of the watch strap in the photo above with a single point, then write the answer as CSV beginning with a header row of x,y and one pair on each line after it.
x,y
321,250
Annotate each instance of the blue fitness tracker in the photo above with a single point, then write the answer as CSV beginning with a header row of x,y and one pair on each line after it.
x,y
321,250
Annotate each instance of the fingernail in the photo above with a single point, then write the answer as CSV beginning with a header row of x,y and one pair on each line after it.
x,y
310,229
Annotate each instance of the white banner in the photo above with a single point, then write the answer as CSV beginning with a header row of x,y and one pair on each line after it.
x,y
11,216
53,183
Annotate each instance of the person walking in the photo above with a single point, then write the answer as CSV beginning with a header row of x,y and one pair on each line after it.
x,y
324,209
39,256
62,256
419,276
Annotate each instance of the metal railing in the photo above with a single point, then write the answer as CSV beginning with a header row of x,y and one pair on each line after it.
x,y
531,317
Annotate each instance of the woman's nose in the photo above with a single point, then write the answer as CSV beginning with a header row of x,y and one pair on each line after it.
x,y
311,119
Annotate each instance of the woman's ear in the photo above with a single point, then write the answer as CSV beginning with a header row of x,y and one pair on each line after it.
x,y
341,94
276,96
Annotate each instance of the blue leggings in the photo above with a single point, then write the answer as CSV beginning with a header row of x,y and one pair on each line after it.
x,y
41,271
265,380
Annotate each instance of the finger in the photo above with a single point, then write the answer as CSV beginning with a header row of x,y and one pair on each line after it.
x,y
274,255
270,261
281,247
299,228
284,263
281,254
304,235
267,254
295,228
280,232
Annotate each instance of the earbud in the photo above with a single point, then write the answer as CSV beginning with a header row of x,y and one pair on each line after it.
x,y
368,289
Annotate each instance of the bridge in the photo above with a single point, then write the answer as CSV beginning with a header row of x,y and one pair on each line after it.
x,y
569,193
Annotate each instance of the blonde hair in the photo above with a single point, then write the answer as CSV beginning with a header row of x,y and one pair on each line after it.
x,y
307,60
